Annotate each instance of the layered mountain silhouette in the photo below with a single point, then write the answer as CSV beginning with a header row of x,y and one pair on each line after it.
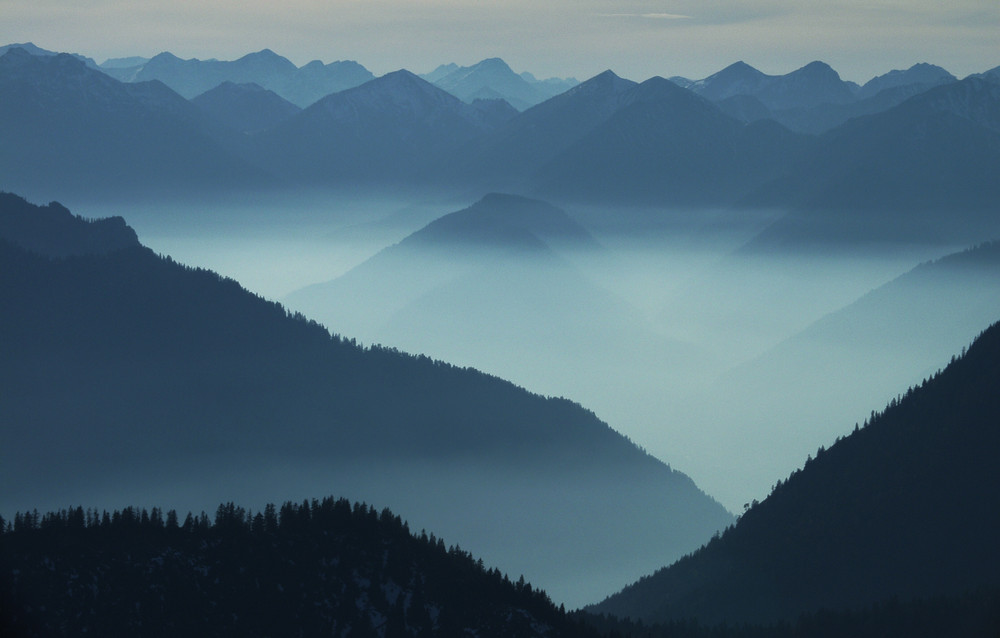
x,y
492,78
812,99
665,144
127,376
910,140
903,507
814,84
33,49
300,85
527,142
889,175
396,128
319,567
921,75
70,129
248,108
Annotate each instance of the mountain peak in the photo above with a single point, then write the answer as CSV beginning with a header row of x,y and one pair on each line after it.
x,y
604,82
817,69
493,64
501,219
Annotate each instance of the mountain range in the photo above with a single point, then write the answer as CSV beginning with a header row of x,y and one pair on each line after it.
x,y
812,99
300,85
128,376
71,129
921,142
891,175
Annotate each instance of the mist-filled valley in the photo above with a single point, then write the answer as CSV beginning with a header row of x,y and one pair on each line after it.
x,y
728,362
597,333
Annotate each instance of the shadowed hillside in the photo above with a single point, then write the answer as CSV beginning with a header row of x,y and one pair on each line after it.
x,y
906,506
127,376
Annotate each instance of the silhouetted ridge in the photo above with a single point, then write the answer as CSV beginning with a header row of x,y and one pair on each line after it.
x,y
55,232
316,568
903,507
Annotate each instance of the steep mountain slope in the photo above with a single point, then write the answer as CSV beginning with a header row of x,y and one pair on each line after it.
x,y
922,170
69,129
247,108
394,128
666,144
903,507
129,378
322,568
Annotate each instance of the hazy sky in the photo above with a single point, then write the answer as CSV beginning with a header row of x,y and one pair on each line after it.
x,y
635,38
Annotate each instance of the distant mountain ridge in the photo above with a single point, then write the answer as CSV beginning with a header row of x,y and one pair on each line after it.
x,y
396,127
666,144
31,48
300,85
937,151
816,83
72,130
915,143
812,99
492,78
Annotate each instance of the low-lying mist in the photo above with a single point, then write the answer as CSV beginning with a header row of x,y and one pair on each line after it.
x,y
715,358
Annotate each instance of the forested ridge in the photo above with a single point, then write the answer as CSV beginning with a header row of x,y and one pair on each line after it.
x,y
322,567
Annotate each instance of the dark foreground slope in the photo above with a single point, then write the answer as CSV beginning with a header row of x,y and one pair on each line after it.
x,y
319,568
128,378
904,507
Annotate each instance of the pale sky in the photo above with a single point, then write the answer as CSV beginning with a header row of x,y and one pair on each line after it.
x,y
635,38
